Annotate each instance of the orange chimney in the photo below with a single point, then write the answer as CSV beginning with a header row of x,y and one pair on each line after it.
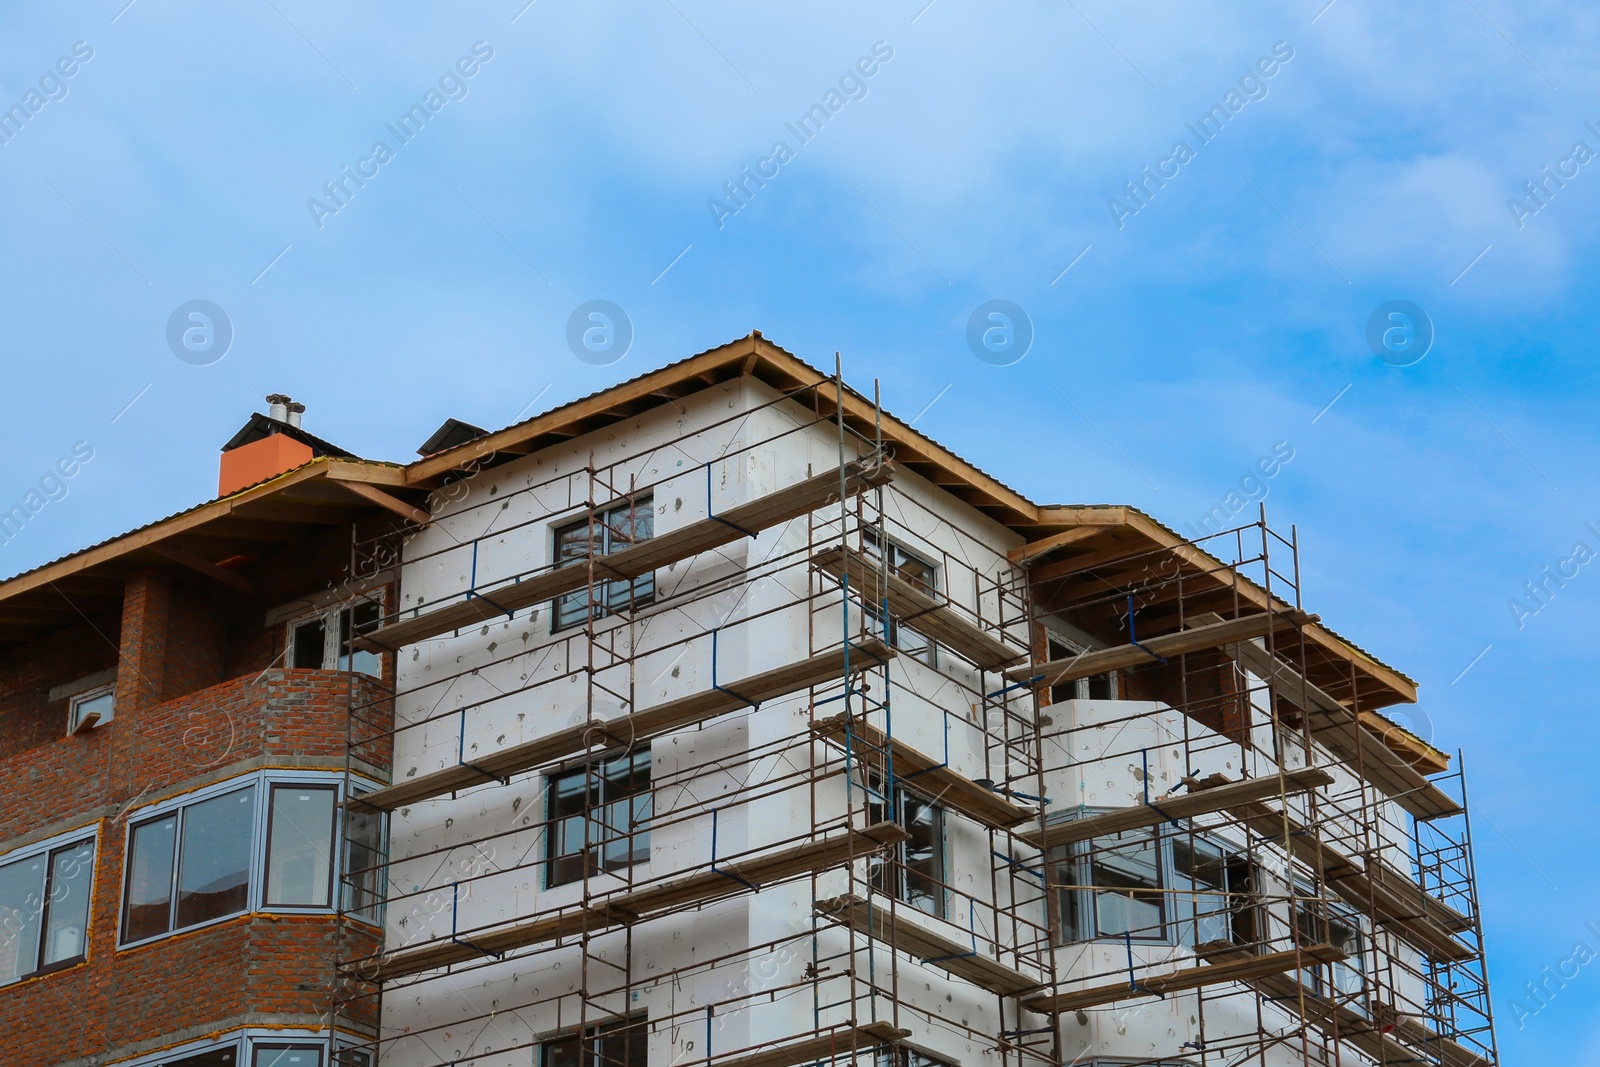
x,y
268,445
260,460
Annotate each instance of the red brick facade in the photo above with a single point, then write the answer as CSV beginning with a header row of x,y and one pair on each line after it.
x,y
180,723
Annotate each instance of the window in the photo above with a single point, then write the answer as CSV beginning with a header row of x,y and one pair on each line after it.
x,y
1342,930
227,1056
599,817
44,909
300,832
91,709
614,529
364,856
1213,899
1144,886
1095,687
307,1055
617,1044
915,570
914,871
271,843
322,642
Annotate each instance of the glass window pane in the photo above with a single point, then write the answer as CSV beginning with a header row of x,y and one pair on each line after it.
x,y
67,921
148,907
217,1057
363,857
308,645
214,874
1122,865
924,854
300,847
21,900
565,1052
287,1056
353,622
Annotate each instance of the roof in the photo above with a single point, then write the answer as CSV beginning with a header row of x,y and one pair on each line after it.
x,y
331,489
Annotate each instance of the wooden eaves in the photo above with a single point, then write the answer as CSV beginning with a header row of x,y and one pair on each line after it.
x,y
257,521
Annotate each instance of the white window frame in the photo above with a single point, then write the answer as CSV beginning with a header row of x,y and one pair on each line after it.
x,y
332,647
75,702
246,1040
255,901
64,839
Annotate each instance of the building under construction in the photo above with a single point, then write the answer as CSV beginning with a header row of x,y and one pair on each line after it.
x,y
721,719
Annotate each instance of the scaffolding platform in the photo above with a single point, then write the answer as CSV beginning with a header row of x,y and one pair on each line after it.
x,y
651,722
928,775
928,946
1158,649
1367,1031
1336,726
824,1047
1246,967
743,520
1202,800
917,608
725,878
1416,916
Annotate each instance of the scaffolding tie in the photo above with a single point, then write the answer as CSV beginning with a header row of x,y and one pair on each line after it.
x,y
1144,755
721,688
462,941
718,870
472,586
711,512
1133,638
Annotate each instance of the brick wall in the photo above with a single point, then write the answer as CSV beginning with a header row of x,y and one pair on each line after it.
x,y
180,723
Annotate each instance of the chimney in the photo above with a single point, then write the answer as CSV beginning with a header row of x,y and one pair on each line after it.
x,y
266,447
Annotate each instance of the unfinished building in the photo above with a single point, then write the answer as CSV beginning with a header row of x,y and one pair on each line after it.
x,y
720,718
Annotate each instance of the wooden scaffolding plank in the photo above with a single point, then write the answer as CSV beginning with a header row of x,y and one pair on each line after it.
x,y
726,879
917,608
841,1041
743,520
1200,801
1242,969
1419,923
928,775
1152,649
1344,733
961,960
1337,728
663,718
1370,1034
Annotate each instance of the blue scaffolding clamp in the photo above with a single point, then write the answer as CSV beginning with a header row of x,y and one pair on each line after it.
x,y
455,938
711,512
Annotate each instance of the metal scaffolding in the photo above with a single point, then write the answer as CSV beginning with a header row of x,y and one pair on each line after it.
x,y
908,700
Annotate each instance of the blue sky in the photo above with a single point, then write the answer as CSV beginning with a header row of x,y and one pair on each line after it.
x,y
1224,316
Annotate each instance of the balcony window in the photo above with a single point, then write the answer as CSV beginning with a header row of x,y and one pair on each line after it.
x,y
1342,929
44,909
1143,885
322,641
1094,687
264,842
255,1047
